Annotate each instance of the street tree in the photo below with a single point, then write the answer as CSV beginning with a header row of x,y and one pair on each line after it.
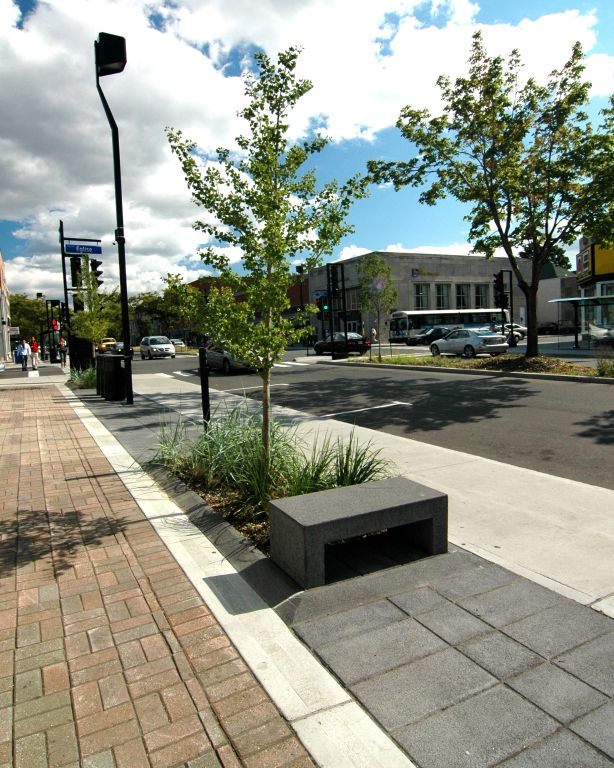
x,y
29,315
183,306
101,313
144,308
524,157
377,292
261,201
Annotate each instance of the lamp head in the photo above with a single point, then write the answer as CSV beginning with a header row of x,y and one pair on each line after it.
x,y
110,54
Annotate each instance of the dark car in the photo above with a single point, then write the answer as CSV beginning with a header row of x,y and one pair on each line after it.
x,y
429,335
549,327
355,343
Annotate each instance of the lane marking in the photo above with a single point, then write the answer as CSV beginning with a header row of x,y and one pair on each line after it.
x,y
244,389
359,410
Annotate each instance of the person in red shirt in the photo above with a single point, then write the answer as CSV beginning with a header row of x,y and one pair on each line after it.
x,y
34,353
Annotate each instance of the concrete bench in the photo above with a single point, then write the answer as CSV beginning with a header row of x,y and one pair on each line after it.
x,y
302,526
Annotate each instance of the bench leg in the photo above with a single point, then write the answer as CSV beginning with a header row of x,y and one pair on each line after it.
x,y
430,535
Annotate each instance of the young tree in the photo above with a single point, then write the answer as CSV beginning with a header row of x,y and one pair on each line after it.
x,y
101,315
525,157
377,292
260,201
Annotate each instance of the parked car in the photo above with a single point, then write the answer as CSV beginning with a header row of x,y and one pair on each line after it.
x,y
567,328
156,346
429,335
549,327
519,330
469,343
178,344
105,345
601,334
220,359
355,343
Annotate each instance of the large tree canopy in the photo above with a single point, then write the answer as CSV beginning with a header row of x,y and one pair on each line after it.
x,y
524,156
262,201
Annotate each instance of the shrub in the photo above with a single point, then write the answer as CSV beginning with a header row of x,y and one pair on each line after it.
x,y
83,379
605,366
228,460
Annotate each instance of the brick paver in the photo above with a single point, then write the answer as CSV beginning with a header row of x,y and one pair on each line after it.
x,y
108,655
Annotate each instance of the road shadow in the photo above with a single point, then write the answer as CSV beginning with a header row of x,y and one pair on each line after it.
x,y
425,404
598,428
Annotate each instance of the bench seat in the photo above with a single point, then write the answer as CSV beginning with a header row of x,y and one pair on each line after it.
x,y
302,526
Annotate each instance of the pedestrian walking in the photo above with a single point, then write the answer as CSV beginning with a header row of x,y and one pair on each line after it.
x,y
24,351
34,353
373,335
63,348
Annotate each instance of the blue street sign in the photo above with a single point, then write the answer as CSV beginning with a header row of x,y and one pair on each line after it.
x,y
76,248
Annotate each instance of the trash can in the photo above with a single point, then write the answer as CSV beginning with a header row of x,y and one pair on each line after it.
x,y
110,377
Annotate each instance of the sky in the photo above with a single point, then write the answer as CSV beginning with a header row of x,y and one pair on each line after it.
x,y
366,58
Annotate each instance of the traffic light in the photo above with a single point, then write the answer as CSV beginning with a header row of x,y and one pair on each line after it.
x,y
55,326
501,300
96,271
334,279
75,275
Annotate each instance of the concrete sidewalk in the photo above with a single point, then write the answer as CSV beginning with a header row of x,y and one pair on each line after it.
x,y
459,661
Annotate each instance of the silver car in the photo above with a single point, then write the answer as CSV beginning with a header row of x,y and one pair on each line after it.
x,y
218,358
469,343
156,346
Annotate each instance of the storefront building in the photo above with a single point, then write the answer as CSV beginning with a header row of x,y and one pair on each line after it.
x,y
423,281
595,279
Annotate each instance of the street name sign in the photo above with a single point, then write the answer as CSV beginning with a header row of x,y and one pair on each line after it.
x,y
82,249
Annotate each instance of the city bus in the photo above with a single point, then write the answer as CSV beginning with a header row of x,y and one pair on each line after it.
x,y
405,324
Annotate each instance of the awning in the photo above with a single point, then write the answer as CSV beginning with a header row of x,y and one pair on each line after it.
x,y
585,301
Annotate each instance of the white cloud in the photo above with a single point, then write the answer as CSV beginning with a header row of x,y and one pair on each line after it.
x,y
366,60
350,251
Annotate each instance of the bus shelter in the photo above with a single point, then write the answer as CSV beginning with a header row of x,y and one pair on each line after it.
x,y
594,315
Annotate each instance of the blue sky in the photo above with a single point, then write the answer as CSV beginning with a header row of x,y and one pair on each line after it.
x,y
366,58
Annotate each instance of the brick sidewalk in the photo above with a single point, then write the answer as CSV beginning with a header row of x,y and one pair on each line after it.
x,y
108,655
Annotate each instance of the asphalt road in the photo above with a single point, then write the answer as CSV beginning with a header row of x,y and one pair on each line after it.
x,y
558,427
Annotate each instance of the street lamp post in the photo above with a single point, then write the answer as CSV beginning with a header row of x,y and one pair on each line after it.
x,y
110,54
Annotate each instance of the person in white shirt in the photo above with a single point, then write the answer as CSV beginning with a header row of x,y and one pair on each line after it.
x,y
25,354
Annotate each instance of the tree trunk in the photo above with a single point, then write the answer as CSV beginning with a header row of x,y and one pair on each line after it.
x,y
530,293
266,410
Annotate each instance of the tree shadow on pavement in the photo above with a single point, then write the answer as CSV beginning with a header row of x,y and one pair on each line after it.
x,y
599,428
423,404
57,541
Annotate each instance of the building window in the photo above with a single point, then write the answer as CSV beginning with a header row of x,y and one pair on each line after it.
x,y
421,295
463,294
352,298
481,296
442,295
607,311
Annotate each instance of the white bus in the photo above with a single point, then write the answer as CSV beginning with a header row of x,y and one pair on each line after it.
x,y
405,324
